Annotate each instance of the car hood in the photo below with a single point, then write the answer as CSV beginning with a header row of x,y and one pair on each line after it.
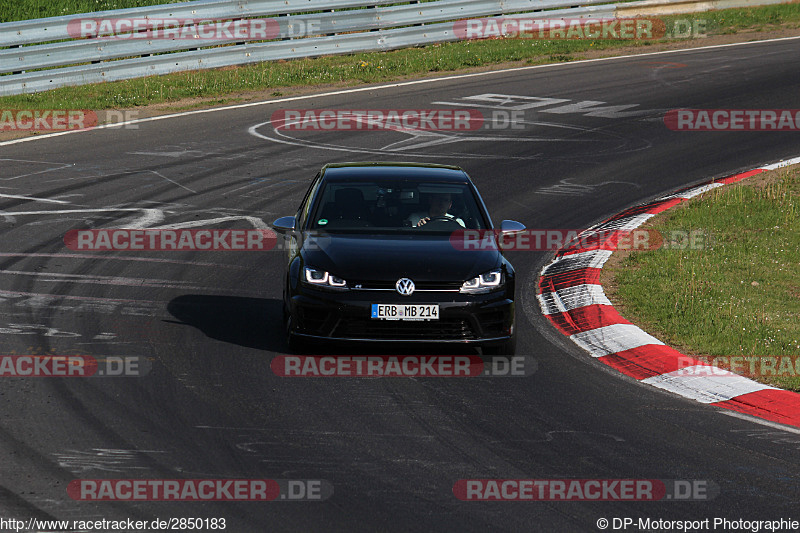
x,y
422,258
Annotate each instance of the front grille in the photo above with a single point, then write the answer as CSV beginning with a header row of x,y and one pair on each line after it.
x,y
312,320
420,286
493,323
444,329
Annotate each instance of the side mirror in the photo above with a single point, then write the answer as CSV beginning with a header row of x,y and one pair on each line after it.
x,y
284,225
511,226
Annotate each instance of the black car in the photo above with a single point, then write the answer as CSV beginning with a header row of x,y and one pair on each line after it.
x,y
372,258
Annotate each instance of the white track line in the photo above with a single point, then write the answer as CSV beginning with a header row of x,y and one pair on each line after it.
x,y
392,86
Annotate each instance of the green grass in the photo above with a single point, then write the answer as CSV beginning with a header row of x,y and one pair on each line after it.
x,y
354,69
741,296
223,85
760,19
32,9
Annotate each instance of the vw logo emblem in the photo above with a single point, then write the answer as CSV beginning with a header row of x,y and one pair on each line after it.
x,y
404,286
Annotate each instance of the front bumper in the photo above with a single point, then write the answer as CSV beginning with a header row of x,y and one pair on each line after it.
x,y
346,316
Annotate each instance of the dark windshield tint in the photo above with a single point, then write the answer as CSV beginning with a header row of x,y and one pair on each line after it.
x,y
409,206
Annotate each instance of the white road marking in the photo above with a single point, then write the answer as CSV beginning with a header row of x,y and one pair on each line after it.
x,y
173,181
513,102
761,421
118,125
168,154
63,165
32,198
148,218
255,221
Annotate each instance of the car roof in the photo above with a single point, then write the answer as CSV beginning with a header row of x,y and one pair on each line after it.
x,y
407,171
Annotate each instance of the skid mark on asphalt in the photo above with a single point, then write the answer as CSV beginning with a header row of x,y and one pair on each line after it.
x,y
127,258
103,460
44,171
773,436
106,280
82,304
565,188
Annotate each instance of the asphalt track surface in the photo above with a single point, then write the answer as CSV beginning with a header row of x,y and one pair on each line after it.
x,y
392,448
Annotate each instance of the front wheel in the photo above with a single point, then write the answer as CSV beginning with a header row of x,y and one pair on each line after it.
x,y
297,345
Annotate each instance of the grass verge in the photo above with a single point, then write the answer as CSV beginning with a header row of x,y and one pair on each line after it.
x,y
227,85
740,294
34,9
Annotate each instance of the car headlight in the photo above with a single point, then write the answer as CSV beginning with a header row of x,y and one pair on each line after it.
x,y
321,278
484,283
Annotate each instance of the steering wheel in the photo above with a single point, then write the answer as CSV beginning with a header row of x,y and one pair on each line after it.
x,y
441,219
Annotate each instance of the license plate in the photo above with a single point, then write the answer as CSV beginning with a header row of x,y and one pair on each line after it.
x,y
405,312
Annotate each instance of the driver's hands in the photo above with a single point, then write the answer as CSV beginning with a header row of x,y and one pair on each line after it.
x,y
423,221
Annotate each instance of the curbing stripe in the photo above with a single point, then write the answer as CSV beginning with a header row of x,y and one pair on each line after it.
x,y
776,405
572,299
586,318
612,339
622,224
562,280
697,191
652,207
695,383
648,361
593,259
739,177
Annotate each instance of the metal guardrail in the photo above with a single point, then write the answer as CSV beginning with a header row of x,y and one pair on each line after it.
x,y
339,27
87,50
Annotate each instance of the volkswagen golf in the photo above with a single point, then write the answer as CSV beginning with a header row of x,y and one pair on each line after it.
x,y
372,257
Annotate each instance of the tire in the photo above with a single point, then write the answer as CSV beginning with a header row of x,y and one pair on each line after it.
x,y
297,345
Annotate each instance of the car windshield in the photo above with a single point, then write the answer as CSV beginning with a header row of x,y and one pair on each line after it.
x,y
396,206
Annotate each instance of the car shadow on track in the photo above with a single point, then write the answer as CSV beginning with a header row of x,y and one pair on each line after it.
x,y
258,323
249,322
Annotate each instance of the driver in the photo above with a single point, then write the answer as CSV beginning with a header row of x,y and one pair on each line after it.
x,y
438,205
